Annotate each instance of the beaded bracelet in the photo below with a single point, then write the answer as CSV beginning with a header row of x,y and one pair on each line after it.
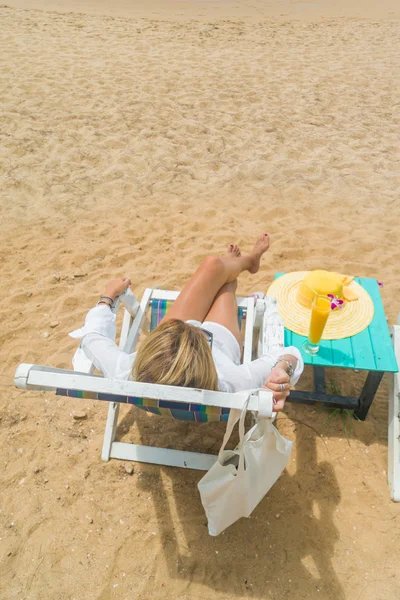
x,y
102,298
105,303
289,364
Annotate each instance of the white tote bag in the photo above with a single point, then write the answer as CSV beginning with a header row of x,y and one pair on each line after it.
x,y
240,478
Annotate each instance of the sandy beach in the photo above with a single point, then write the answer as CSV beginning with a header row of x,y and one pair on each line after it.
x,y
135,140
173,10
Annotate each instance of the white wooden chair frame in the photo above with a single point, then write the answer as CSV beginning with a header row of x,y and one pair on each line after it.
x,y
262,315
394,421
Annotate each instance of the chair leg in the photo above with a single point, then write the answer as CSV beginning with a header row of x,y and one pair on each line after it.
x,y
111,428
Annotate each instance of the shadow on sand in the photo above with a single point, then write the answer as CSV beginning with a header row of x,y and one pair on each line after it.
x,y
284,550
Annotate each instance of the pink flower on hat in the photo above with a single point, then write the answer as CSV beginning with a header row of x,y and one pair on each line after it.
x,y
335,302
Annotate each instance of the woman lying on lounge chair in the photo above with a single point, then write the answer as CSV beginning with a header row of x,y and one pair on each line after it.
x,y
198,342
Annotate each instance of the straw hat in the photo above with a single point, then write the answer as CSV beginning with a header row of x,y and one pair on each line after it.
x,y
348,320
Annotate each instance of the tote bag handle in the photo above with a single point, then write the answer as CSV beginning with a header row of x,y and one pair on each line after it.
x,y
237,416
234,416
241,439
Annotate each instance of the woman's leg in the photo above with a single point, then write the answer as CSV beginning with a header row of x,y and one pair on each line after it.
x,y
224,310
196,298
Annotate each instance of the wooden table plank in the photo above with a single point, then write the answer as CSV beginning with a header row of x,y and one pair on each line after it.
x,y
363,352
343,353
378,330
288,337
324,357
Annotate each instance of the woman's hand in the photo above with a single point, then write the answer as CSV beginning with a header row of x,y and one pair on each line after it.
x,y
273,383
116,287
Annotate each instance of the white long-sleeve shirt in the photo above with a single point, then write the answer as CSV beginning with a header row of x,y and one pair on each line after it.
x,y
98,335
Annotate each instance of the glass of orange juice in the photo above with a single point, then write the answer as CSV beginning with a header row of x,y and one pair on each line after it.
x,y
320,311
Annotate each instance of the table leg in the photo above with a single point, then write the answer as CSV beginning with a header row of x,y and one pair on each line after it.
x,y
319,380
368,393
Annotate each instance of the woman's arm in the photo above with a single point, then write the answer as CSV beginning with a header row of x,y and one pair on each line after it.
x,y
98,335
278,380
107,357
267,371
114,289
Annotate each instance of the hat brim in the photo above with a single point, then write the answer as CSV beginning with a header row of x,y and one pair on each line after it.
x,y
350,319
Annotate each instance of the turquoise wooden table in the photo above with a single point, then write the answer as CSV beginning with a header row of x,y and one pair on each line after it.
x,y
370,351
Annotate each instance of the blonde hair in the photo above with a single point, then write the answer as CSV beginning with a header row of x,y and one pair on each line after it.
x,y
176,353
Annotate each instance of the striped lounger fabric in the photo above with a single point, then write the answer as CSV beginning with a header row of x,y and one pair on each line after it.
x,y
176,410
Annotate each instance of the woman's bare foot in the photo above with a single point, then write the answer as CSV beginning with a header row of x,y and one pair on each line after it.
x,y
234,250
260,247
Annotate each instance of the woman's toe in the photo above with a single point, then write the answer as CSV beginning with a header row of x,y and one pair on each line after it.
x,y
234,250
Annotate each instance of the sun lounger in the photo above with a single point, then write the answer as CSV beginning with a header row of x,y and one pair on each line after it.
x,y
256,315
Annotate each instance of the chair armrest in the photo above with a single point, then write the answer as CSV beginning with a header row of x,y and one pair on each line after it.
x,y
272,333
